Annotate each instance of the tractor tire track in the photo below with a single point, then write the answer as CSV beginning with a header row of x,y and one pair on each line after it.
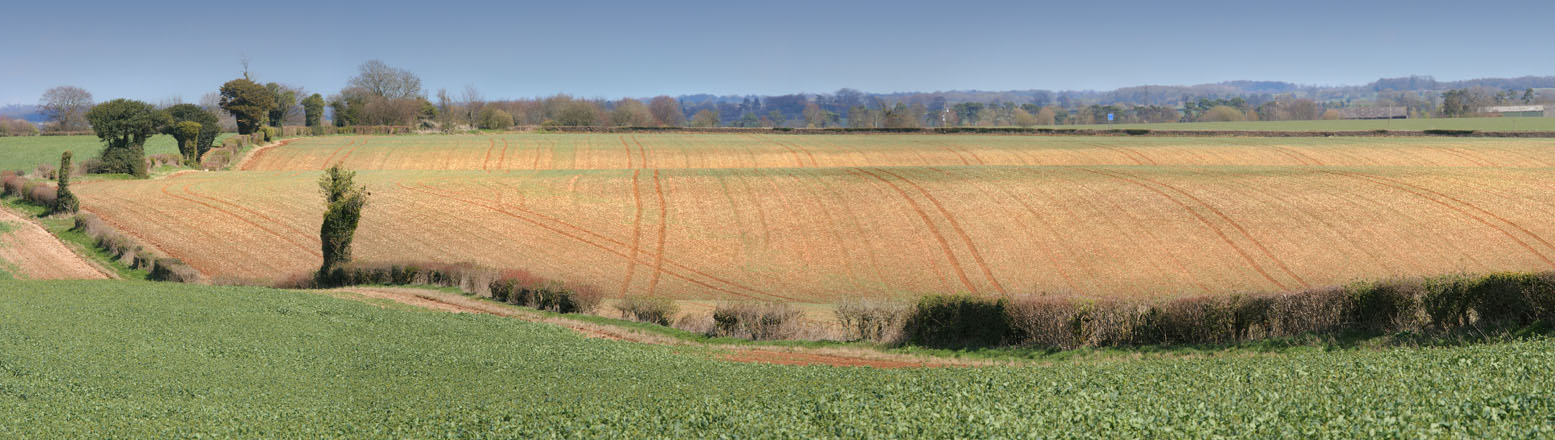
x,y
272,220
524,215
1223,237
1047,251
1099,202
658,258
628,148
977,256
637,232
492,146
814,203
1234,224
928,223
283,237
1406,188
867,244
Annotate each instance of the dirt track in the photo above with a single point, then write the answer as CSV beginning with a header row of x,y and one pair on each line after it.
x,y
34,254
455,303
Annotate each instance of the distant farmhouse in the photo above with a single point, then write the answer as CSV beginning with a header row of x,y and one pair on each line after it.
x,y
1516,111
1374,113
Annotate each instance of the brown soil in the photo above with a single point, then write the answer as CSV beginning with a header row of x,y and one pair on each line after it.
x,y
456,303
802,358
35,254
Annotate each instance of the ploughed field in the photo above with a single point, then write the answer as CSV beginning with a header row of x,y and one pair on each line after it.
x,y
814,218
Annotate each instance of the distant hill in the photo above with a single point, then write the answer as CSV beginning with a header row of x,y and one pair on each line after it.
x,y
26,112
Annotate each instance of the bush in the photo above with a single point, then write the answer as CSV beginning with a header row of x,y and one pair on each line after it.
x,y
1385,306
270,134
1506,300
876,320
492,118
317,130
1047,321
13,184
173,269
755,320
653,310
45,171
43,195
959,321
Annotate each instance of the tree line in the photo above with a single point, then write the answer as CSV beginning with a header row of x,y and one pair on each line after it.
x,y
383,95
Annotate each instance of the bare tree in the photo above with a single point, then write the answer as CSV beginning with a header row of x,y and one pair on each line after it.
x,y
387,82
471,103
67,106
666,111
631,113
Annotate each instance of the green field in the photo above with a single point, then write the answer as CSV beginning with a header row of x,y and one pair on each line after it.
x,y
144,360
27,152
1481,124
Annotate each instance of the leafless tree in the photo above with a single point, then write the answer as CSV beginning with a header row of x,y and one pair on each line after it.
x,y
631,113
66,106
387,82
471,102
666,111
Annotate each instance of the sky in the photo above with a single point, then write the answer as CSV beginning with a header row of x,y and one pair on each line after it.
x,y
155,51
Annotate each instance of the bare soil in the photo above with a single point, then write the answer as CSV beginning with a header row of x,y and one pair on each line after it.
x,y
36,254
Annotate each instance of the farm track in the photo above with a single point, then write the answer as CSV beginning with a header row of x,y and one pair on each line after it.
x,y
31,252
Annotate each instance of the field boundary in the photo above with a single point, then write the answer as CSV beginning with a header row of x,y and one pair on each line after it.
x,y
1163,132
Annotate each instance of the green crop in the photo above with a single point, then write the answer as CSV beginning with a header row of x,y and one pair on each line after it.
x,y
145,360
24,153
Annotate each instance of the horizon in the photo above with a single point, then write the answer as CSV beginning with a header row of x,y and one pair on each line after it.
x,y
691,48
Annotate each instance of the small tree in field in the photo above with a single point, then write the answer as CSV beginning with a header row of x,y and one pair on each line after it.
x,y
124,125
343,208
248,102
65,201
313,110
210,126
187,134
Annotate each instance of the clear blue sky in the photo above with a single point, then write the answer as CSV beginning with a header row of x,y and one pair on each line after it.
x,y
157,50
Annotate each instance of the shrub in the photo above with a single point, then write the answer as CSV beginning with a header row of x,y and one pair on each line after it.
x,y
65,201
959,321
1047,321
1384,306
562,298
45,171
317,130
13,184
1448,300
492,118
270,134
1512,300
755,320
173,269
654,310
1319,311
877,320
43,195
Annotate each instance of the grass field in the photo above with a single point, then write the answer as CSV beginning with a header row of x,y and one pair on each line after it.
x,y
27,152
815,218
144,360
1481,124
